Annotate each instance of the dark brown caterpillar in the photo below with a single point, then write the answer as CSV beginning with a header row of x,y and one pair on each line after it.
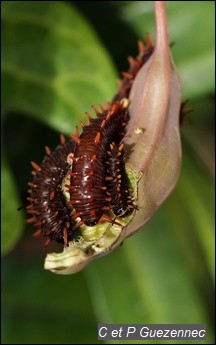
x,y
135,64
48,206
88,191
117,182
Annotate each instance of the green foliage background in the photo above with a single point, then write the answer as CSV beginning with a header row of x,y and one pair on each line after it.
x,y
58,59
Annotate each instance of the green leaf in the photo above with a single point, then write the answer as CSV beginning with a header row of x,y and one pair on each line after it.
x,y
199,204
12,220
54,310
191,28
147,280
53,65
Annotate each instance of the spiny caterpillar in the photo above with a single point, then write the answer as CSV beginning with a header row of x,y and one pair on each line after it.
x,y
97,183
48,207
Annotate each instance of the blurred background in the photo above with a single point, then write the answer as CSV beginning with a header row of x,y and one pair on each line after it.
x,y
59,58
